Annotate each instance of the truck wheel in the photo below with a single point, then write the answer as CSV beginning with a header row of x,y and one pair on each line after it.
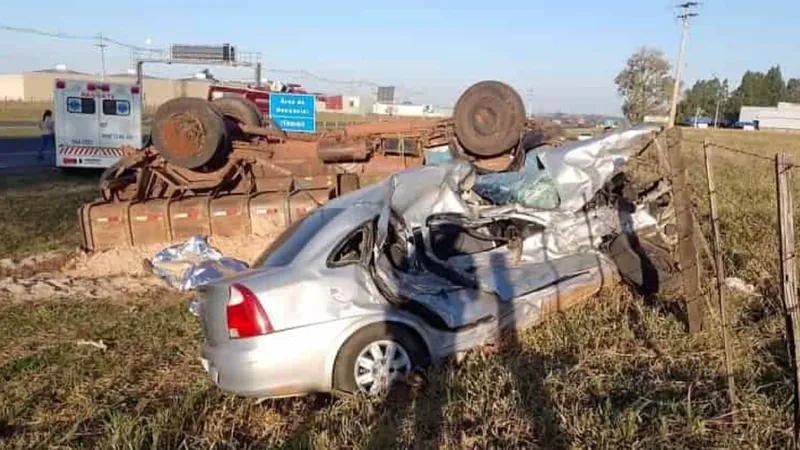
x,y
489,118
240,109
376,357
189,132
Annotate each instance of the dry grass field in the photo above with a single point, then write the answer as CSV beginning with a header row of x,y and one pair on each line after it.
x,y
22,111
617,372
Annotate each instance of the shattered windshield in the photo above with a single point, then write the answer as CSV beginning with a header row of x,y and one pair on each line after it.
x,y
531,187
285,248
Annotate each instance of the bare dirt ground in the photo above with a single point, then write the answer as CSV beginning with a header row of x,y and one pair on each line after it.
x,y
617,372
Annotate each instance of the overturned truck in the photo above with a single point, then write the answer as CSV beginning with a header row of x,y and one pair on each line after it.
x,y
219,168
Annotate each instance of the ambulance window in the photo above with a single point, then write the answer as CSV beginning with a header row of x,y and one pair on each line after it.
x,y
80,105
116,107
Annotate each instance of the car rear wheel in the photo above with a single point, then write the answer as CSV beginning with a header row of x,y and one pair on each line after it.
x,y
376,357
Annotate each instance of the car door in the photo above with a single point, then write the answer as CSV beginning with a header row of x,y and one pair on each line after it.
x,y
487,255
407,279
348,282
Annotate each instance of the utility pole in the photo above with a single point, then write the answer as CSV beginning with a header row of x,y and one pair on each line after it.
x,y
101,44
529,97
685,15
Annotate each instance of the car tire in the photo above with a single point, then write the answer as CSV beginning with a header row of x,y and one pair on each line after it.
x,y
347,361
644,265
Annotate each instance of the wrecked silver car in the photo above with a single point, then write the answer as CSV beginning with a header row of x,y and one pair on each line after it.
x,y
432,261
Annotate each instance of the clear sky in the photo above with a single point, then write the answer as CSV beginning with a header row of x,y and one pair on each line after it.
x,y
566,52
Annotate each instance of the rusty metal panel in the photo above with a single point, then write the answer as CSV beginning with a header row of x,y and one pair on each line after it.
x,y
230,216
271,212
325,182
303,202
189,217
268,215
388,164
108,223
282,184
149,222
395,126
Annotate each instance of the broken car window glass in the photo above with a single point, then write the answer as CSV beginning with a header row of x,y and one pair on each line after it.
x,y
532,187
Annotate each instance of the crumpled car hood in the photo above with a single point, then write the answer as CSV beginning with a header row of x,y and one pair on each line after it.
x,y
579,169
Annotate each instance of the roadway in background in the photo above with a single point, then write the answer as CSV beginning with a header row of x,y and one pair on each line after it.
x,y
16,152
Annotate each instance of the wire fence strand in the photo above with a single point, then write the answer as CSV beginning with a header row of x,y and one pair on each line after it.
x,y
734,150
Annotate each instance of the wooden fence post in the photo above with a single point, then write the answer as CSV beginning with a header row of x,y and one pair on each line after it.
x,y
720,271
789,276
687,250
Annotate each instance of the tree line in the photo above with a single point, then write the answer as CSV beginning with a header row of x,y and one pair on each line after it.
x,y
646,85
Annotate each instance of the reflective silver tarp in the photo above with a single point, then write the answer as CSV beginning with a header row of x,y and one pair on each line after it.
x,y
193,263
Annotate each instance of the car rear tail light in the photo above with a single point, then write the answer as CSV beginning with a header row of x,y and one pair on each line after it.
x,y
90,87
104,87
134,89
70,161
246,316
60,84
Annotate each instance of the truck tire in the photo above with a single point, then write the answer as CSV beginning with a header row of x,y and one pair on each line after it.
x,y
189,132
240,109
489,118
646,267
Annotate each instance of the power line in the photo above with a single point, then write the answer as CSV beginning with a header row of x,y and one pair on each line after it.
x,y
79,37
102,41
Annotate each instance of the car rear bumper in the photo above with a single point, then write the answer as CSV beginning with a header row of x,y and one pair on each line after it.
x,y
281,364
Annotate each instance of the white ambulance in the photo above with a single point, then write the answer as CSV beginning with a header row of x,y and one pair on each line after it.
x,y
93,120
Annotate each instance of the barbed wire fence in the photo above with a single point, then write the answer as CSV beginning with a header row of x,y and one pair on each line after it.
x,y
724,207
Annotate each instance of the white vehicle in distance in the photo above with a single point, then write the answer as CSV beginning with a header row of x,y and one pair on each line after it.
x,y
94,120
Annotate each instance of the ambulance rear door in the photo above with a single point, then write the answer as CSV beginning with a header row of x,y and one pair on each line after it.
x,y
120,117
76,116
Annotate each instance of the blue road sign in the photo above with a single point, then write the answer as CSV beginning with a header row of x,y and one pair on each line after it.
x,y
293,112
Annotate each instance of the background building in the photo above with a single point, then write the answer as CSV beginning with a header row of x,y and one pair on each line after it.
x,y
38,86
785,116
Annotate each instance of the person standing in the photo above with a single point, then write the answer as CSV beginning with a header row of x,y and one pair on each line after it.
x,y
48,129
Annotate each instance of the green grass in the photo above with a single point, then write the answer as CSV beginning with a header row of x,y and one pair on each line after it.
x,y
23,111
39,210
19,131
616,372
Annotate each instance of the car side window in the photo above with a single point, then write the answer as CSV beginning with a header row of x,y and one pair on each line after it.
x,y
350,250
